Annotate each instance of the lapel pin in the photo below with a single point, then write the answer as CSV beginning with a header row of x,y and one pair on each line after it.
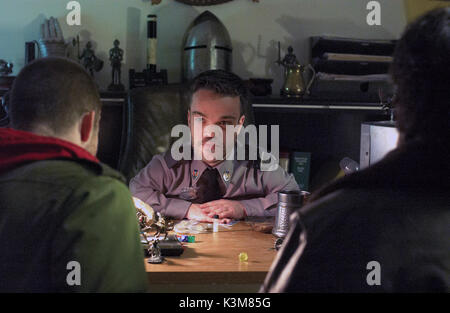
x,y
226,176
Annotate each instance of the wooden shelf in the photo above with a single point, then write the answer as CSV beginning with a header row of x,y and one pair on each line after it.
x,y
313,105
317,106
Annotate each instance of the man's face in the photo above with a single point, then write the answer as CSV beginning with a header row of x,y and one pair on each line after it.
x,y
213,109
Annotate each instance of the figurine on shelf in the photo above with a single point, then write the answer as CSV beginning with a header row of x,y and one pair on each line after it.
x,y
116,57
289,59
5,68
294,84
90,61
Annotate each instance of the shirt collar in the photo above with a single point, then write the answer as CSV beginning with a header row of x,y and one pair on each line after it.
x,y
224,168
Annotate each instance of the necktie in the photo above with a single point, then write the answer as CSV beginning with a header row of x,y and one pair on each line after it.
x,y
208,186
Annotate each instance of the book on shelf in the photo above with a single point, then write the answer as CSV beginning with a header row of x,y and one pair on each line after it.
x,y
300,168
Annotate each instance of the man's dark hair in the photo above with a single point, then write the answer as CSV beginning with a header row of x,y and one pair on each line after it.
x,y
54,92
421,72
223,83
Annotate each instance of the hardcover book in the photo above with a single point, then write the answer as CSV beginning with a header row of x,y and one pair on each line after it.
x,y
300,168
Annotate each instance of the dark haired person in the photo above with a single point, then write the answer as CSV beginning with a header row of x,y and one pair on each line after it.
x,y
209,185
386,228
67,221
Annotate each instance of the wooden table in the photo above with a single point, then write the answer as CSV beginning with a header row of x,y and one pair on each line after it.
x,y
211,264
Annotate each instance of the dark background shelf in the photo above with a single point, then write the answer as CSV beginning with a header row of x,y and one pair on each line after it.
x,y
329,133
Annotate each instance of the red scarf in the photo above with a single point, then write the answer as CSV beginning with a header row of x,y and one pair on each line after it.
x,y
19,147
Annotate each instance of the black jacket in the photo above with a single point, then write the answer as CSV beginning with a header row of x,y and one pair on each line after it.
x,y
396,213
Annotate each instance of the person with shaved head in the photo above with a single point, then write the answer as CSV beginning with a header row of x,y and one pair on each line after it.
x,y
67,221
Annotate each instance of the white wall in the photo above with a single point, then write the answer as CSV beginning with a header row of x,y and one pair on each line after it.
x,y
254,28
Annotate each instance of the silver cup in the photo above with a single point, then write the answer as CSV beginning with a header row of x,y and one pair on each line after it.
x,y
288,202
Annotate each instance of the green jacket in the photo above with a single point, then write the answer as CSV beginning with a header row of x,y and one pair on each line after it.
x,y
53,212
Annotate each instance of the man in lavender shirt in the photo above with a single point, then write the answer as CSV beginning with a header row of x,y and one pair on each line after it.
x,y
203,187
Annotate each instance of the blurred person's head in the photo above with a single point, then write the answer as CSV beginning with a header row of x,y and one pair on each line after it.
x,y
217,97
56,97
421,72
